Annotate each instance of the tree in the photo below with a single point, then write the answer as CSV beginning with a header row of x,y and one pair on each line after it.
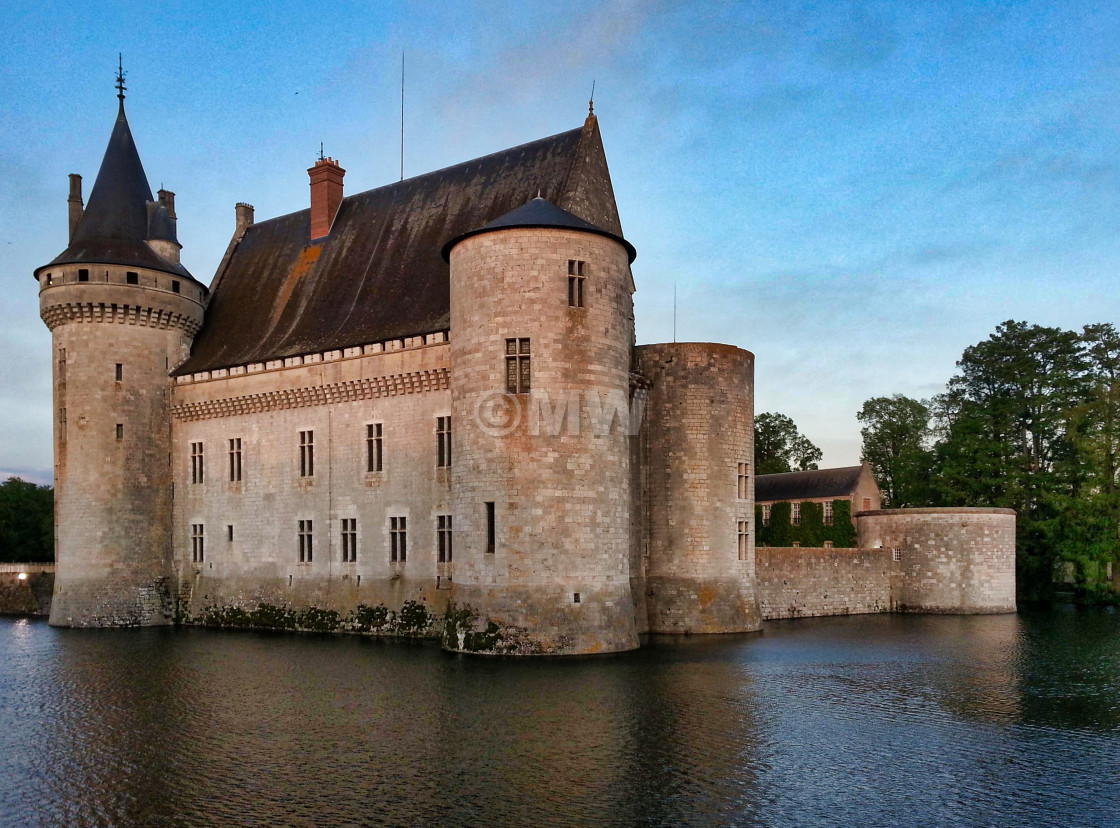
x,y
780,447
895,434
26,522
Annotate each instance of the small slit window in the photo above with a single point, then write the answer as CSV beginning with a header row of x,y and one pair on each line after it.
x,y
120,431
575,283
119,372
491,529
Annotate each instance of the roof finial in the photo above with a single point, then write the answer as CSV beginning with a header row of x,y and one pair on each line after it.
x,y
120,78
591,103
321,156
538,192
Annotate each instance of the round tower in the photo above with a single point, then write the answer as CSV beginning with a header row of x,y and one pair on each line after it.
x,y
698,453
541,341
122,312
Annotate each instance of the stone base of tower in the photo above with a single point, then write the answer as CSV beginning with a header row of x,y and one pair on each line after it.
x,y
695,605
540,620
111,602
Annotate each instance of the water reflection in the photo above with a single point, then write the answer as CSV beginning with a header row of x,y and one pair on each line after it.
x,y
864,720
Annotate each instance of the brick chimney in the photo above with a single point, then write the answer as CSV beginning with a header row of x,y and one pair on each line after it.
x,y
75,201
326,195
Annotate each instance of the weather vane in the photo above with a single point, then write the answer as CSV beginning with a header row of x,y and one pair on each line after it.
x,y
321,156
120,77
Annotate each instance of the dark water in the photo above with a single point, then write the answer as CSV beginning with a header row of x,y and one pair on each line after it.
x,y
868,721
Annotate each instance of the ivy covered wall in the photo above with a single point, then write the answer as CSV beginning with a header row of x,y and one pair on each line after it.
x,y
812,531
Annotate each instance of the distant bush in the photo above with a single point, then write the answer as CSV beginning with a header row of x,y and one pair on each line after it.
x,y
26,522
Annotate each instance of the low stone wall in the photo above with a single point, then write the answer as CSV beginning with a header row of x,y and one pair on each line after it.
x,y
27,595
796,582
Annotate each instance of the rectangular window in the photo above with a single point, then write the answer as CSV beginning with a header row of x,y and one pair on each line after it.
x,y
795,514
827,512
491,529
306,541
443,440
132,278
83,275
766,514
443,538
896,554
235,459
575,283
174,286
119,374
198,543
120,431
62,365
374,451
197,469
744,539
867,504
349,540
306,453
744,478
398,539
229,533
517,366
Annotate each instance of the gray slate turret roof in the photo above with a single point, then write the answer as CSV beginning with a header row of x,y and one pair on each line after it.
x,y
806,485
114,226
380,275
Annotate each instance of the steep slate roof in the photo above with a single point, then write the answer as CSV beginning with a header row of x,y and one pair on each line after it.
x,y
114,225
379,274
806,485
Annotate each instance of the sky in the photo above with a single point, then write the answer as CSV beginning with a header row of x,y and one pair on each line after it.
x,y
855,192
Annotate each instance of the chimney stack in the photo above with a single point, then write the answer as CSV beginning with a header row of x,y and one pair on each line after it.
x,y
75,200
326,195
244,217
167,199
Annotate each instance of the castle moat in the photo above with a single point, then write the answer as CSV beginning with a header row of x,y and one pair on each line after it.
x,y
876,720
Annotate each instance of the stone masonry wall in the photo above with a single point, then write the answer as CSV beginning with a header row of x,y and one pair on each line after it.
x,y
403,390
30,595
795,582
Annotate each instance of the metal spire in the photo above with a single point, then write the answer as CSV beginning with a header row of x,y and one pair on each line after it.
x,y
321,156
120,79
591,103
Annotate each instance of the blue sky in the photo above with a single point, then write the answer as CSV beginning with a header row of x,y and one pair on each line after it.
x,y
854,192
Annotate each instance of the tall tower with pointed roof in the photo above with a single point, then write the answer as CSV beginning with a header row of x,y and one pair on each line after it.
x,y
122,311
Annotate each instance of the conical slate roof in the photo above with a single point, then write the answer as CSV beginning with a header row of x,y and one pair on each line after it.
x,y
540,212
114,226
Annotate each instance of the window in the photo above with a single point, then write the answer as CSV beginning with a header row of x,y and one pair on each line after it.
x,y
795,514
197,470
374,453
132,278
575,597
828,544
306,541
229,533
120,431
575,283
744,539
119,374
398,539
174,285
349,540
235,459
198,543
744,478
83,275
443,439
826,508
50,280
517,366
491,533
766,515
443,538
896,554
306,453
867,504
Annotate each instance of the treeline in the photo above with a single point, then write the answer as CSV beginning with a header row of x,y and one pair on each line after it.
x,y
26,522
1030,422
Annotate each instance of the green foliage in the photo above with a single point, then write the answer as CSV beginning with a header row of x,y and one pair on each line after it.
x,y
413,619
26,522
895,432
780,447
812,531
461,631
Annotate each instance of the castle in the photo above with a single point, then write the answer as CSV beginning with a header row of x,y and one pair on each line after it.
x,y
426,393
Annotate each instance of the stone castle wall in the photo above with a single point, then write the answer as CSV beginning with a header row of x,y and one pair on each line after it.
x,y
555,462
698,427
112,447
29,594
796,582
403,390
951,560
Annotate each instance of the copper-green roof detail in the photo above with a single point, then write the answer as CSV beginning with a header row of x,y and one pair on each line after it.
x,y
379,274
540,212
114,225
